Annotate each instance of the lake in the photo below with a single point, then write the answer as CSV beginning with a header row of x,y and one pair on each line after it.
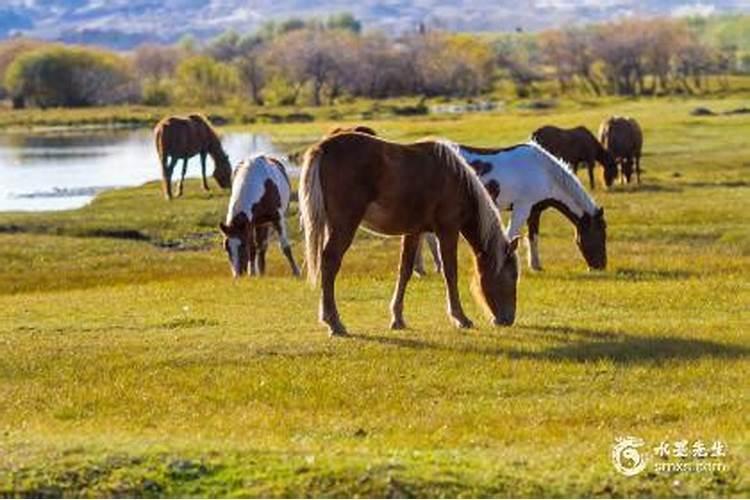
x,y
59,170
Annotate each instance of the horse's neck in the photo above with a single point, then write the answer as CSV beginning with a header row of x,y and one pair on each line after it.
x,y
571,207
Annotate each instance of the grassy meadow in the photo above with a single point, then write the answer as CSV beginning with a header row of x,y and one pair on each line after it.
x,y
131,364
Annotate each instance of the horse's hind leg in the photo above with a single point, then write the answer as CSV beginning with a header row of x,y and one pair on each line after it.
x,y
182,178
418,259
410,244
432,244
448,252
339,239
261,239
203,171
286,247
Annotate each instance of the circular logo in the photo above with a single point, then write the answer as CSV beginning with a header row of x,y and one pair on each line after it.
x,y
625,455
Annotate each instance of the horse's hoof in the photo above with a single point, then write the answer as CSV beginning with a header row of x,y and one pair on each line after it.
x,y
463,323
338,332
420,272
398,324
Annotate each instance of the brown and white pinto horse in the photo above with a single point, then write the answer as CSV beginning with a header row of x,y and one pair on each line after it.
x,y
259,201
184,137
623,137
575,146
350,179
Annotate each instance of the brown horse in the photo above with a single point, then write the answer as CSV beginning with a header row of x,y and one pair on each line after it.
x,y
623,138
577,145
350,179
184,137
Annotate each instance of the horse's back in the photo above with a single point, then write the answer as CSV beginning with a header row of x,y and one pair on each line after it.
x,y
518,172
260,189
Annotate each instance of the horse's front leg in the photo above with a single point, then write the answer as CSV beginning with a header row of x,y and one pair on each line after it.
x,y
535,262
168,166
590,166
261,239
203,171
448,252
638,169
286,247
339,239
252,251
410,244
182,178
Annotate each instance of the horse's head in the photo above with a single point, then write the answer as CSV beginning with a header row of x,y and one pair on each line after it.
x,y
236,243
610,167
223,171
591,237
498,282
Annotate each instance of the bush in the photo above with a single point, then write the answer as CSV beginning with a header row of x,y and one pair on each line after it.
x,y
69,76
201,80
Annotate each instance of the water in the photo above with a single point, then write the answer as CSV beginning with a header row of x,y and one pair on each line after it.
x,y
61,170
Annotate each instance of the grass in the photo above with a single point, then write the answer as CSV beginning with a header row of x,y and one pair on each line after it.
x,y
132,365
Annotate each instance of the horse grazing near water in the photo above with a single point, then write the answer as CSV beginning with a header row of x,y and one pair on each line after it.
x,y
259,201
352,178
623,137
527,179
184,137
575,146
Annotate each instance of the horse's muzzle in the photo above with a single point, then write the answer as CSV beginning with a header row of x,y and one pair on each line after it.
x,y
504,320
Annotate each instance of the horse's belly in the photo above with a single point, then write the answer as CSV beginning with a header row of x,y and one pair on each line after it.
x,y
380,219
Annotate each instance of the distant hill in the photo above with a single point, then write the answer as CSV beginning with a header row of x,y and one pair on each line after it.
x,y
123,24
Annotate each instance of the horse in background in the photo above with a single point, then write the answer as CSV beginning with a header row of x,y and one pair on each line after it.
x,y
623,138
184,137
527,180
260,198
575,146
353,178
295,157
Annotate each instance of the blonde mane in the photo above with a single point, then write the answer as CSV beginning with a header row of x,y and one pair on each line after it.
x,y
490,223
563,175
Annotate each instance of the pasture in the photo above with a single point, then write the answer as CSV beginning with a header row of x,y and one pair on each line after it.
x,y
132,365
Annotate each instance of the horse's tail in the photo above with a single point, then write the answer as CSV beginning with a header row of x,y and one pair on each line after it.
x,y
162,153
312,212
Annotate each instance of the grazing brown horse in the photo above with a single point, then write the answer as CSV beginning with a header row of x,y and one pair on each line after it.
x,y
352,178
184,137
577,145
623,138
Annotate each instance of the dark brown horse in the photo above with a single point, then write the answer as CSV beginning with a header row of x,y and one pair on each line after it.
x,y
623,138
184,137
575,146
350,179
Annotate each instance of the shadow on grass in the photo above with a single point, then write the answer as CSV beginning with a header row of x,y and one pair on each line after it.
x,y
581,345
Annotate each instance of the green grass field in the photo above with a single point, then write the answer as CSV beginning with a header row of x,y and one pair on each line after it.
x,y
131,364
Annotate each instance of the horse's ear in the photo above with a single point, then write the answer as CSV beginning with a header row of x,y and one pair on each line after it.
x,y
600,212
224,228
513,245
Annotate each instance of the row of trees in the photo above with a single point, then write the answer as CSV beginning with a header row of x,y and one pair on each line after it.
x,y
297,61
634,57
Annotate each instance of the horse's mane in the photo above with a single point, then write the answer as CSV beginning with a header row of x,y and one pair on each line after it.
x,y
490,225
563,175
